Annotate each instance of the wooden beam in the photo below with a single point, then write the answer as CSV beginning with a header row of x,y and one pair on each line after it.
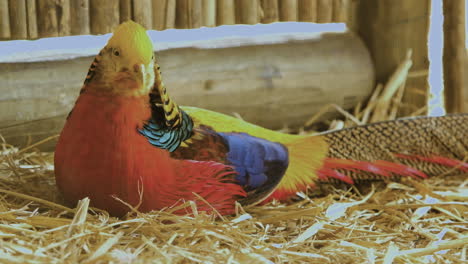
x,y
454,56
104,16
181,20
80,17
324,11
159,14
248,11
182,17
340,11
390,28
47,24
226,12
352,19
62,9
209,13
170,13
32,19
142,13
288,10
307,10
195,13
5,32
126,10
270,11
466,82
18,21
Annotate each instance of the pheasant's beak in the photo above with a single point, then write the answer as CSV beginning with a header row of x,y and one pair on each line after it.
x,y
135,78
132,77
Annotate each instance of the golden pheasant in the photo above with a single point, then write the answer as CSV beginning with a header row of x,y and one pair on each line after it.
x,y
127,139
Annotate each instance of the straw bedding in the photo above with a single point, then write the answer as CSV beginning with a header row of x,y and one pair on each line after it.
x,y
406,222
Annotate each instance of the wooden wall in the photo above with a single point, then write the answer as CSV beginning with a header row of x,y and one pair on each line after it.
x,y
260,76
388,27
31,19
391,28
454,55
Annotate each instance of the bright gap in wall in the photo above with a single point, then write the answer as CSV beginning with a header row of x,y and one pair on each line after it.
x,y
436,42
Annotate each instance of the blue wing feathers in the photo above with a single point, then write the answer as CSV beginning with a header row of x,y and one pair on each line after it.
x,y
167,138
255,159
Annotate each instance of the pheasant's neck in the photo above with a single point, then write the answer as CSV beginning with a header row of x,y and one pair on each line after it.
x,y
172,115
125,112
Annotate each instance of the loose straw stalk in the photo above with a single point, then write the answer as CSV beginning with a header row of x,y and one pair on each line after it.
x,y
397,79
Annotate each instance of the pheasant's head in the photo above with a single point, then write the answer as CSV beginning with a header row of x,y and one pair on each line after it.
x,y
125,66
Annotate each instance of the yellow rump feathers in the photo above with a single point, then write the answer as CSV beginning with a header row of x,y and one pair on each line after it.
x,y
131,39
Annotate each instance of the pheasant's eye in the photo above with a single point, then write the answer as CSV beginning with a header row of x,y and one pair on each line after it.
x,y
116,53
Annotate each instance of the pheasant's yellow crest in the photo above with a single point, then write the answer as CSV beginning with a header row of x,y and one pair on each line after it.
x,y
131,38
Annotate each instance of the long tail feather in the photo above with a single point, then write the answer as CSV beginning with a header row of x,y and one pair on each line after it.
x,y
381,168
416,147
412,147
457,164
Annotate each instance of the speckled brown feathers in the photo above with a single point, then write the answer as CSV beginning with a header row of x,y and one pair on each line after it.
x,y
204,145
423,136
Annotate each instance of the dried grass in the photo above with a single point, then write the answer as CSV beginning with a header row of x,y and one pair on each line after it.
x,y
407,222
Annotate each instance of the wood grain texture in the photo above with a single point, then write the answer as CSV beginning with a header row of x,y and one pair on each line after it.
x,y
142,13
5,32
270,11
126,10
209,13
182,13
257,81
80,17
340,10
466,82
454,55
226,12
170,13
18,21
62,9
352,20
31,16
159,14
288,10
47,23
324,11
195,13
406,27
307,10
104,16
248,11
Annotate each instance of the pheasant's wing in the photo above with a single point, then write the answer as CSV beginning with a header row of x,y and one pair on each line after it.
x,y
259,164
